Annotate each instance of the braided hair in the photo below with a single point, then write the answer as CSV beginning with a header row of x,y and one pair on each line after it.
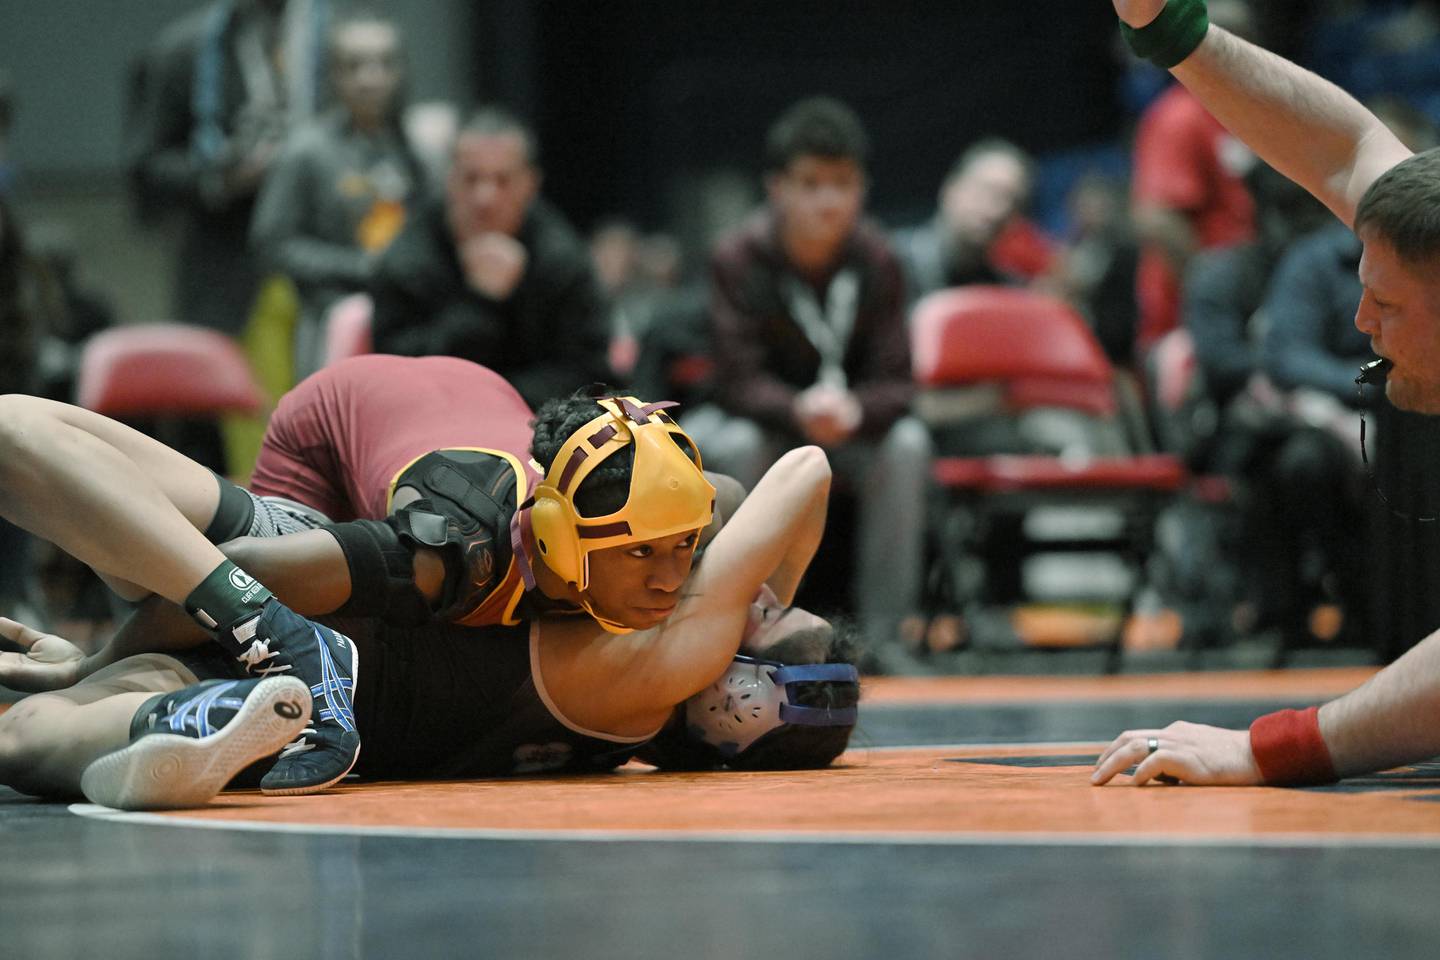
x,y
607,487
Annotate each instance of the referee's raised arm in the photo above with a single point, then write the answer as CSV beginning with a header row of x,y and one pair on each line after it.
x,y
1301,124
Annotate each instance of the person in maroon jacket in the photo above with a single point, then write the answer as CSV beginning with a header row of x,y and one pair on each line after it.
x,y
807,306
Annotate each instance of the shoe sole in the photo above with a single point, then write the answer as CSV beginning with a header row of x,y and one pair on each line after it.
x,y
317,787
163,771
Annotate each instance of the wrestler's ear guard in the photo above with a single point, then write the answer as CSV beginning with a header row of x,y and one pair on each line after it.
x,y
668,490
752,699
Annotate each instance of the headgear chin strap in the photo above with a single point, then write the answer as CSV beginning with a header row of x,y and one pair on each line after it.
x,y
668,492
752,699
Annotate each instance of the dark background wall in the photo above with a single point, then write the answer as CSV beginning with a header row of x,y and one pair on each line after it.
x,y
632,96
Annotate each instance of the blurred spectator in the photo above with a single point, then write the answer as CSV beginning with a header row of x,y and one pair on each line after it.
x,y
494,274
1224,289
430,129
640,276
615,248
978,234
338,194
661,264
807,303
615,251
1096,269
1188,191
1311,350
1311,342
1296,481
211,102
675,357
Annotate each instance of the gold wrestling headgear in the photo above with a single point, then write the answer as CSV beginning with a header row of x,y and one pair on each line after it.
x,y
668,491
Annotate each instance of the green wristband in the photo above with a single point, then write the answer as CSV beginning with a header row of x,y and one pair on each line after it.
x,y
1172,36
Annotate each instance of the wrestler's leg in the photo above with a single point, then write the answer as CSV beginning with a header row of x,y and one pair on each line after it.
x,y
73,487
48,739
138,736
124,504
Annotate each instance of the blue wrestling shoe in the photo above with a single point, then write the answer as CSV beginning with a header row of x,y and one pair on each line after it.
x,y
185,746
285,643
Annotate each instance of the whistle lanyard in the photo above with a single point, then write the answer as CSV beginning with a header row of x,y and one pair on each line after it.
x,y
1370,472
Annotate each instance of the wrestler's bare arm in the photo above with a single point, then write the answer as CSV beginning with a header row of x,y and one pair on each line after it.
x,y
306,571
628,684
1391,719
771,539
785,579
1302,125
309,573
156,626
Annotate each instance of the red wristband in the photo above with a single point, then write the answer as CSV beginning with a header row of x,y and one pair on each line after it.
x,y
1289,750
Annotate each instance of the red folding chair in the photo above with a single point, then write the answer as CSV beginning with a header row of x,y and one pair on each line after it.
x,y
1007,354
162,376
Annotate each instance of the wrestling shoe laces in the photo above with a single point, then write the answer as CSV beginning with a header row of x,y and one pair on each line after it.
x,y
281,641
256,656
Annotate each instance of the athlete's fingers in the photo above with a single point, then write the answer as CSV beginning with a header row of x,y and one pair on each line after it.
x,y
1120,757
19,634
1128,737
1179,765
1114,745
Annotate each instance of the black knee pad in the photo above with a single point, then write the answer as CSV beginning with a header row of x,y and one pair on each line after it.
x,y
469,552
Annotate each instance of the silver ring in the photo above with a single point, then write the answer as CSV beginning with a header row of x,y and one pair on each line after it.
x,y
1151,745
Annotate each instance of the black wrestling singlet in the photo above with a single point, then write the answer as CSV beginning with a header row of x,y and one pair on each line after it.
x,y
451,702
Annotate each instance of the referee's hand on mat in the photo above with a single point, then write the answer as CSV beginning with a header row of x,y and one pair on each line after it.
x,y
1190,753
45,661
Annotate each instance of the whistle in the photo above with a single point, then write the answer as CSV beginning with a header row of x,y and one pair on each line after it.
x,y
1371,371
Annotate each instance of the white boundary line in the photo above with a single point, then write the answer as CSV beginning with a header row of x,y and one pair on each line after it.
x,y
878,838
1010,745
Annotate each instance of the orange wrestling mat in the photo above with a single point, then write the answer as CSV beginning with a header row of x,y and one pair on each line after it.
x,y
1033,793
